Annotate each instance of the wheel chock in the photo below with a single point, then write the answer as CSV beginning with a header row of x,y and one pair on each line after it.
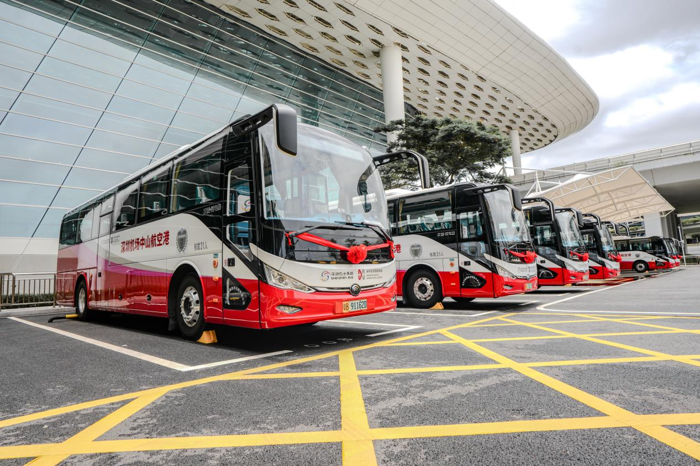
x,y
67,316
438,306
208,337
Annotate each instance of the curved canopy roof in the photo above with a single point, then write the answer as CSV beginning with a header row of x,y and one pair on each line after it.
x,y
617,195
466,59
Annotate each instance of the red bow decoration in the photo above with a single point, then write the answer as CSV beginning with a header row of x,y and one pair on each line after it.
x,y
528,256
616,258
583,257
355,254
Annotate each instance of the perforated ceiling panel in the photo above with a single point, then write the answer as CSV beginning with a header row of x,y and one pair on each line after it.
x,y
447,70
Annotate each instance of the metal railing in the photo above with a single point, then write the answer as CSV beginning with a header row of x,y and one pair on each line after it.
x,y
596,165
27,290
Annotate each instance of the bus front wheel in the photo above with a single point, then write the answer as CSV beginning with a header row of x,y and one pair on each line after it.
x,y
640,267
423,289
190,308
81,301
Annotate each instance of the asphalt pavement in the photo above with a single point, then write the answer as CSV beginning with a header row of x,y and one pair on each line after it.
x,y
563,375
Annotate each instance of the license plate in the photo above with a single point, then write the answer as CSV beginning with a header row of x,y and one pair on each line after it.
x,y
528,286
352,306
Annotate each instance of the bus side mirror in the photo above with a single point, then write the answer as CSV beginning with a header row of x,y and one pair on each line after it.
x,y
579,218
285,120
517,199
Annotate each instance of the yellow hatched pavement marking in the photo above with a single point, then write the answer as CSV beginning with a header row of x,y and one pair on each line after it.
x,y
662,434
90,434
385,433
682,359
358,448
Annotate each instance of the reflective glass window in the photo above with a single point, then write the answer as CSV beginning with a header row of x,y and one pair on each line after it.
x,y
50,225
153,200
125,206
69,230
85,220
68,197
197,177
22,193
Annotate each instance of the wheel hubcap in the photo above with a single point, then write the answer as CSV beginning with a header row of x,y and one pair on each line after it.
x,y
423,289
190,306
82,302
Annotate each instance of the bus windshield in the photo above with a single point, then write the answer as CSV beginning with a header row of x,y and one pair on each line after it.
x,y
606,240
570,234
508,223
330,180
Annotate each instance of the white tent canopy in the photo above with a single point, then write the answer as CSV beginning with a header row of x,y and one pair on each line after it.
x,y
619,195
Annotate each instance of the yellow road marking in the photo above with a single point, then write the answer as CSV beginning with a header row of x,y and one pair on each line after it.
x,y
385,433
52,457
662,434
614,344
358,448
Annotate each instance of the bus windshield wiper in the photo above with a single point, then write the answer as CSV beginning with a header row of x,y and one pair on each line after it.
x,y
375,228
325,226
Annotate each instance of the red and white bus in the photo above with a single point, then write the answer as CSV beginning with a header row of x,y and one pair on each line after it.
x,y
262,224
672,246
603,259
462,241
644,253
562,258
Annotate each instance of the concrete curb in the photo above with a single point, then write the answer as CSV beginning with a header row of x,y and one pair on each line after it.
x,y
35,311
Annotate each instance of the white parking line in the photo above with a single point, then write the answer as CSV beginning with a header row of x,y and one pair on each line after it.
x,y
402,329
345,321
143,356
394,331
441,314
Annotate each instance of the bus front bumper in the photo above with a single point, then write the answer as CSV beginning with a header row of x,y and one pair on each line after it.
x,y
503,286
276,305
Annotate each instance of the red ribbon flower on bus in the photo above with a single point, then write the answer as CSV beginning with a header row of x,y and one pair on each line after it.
x,y
583,257
528,256
355,254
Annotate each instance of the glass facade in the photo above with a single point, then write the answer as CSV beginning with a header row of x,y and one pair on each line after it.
x,y
93,90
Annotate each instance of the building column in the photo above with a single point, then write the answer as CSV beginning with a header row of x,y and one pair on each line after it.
x,y
392,85
515,148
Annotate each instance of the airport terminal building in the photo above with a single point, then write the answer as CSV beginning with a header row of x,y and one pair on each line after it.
x,y
94,90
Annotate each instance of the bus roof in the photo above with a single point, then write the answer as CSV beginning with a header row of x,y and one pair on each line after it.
x,y
397,193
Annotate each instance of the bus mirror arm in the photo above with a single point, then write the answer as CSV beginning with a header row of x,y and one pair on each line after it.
x,y
421,160
543,200
285,121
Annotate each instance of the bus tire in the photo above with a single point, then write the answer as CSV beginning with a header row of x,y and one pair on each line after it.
x,y
81,302
189,307
640,267
461,300
423,289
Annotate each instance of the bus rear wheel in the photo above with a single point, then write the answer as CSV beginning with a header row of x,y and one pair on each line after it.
x,y
190,308
81,302
640,267
423,289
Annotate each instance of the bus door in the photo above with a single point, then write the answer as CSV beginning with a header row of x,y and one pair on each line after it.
x,y
240,285
476,279
101,283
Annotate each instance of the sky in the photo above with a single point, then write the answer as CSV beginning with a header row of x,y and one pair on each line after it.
x,y
642,59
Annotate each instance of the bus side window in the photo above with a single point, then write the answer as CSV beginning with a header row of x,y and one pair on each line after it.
x,y
391,220
426,213
125,206
153,201
85,219
105,224
69,230
196,178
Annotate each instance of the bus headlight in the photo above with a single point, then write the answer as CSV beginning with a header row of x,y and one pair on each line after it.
x,y
390,282
503,272
571,268
280,280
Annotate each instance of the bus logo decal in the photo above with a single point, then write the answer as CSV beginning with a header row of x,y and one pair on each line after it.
x,y
181,241
416,250
325,276
355,289
359,274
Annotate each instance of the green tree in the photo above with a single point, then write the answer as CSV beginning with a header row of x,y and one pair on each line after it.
x,y
456,149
